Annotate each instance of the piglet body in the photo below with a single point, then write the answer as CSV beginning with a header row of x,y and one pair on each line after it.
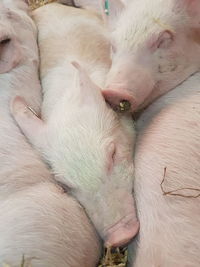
x,y
38,220
88,146
168,138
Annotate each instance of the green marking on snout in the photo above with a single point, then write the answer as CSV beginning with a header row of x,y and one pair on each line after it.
x,y
106,7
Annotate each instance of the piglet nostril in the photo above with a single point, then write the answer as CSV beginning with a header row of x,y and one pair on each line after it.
x,y
120,100
124,106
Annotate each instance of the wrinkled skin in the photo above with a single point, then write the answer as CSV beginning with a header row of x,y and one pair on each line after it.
x,y
152,51
38,220
88,146
169,137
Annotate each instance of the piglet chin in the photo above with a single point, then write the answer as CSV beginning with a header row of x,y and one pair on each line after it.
x,y
116,97
121,233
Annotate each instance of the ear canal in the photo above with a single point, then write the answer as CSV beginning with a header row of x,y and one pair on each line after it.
x,y
10,54
165,39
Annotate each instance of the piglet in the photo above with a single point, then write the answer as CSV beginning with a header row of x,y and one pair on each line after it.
x,y
89,148
167,183
155,47
38,220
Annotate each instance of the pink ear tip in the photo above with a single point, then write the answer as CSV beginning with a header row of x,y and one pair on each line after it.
x,y
18,100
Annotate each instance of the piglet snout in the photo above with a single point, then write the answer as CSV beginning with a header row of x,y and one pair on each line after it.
x,y
128,84
120,100
122,232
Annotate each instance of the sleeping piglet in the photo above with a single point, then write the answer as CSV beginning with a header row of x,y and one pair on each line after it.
x,y
38,220
155,47
88,146
167,182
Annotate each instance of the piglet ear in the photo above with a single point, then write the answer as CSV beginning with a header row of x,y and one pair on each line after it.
x,y
10,54
165,39
89,91
112,9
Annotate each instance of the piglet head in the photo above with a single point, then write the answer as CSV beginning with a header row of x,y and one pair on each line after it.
x,y
14,28
155,46
91,150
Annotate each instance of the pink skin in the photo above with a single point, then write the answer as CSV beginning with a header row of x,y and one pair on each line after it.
x,y
108,203
88,146
40,221
151,57
169,136
117,90
121,233
119,223
126,225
